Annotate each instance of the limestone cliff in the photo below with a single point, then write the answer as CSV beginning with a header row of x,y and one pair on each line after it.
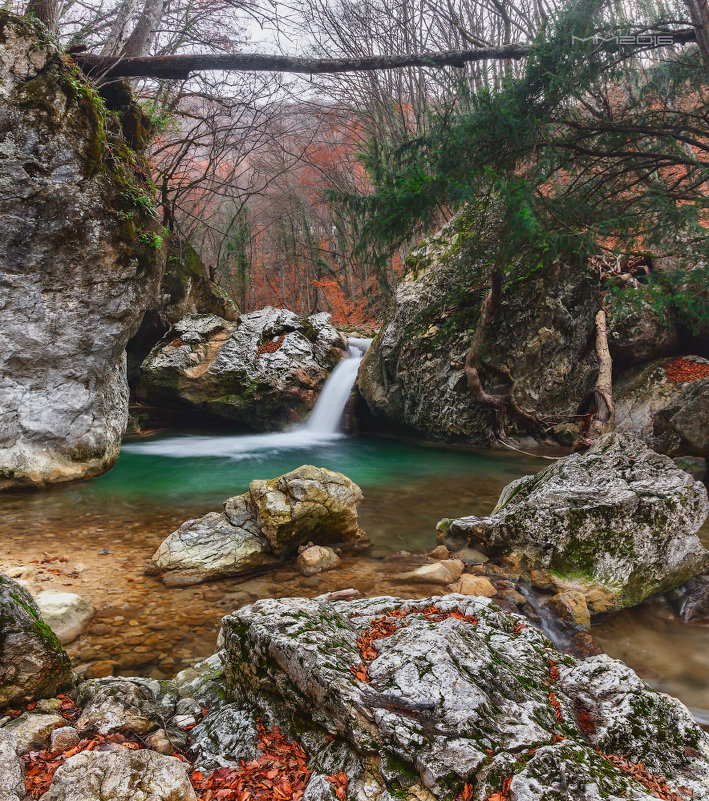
x,y
81,256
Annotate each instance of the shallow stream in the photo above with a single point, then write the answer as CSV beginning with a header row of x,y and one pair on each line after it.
x,y
107,528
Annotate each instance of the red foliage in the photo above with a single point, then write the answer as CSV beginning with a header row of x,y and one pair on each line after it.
x,y
272,345
339,784
657,785
279,774
554,701
681,370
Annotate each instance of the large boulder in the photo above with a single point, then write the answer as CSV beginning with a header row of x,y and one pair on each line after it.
x,y
538,354
618,523
33,663
665,402
637,331
449,697
262,527
80,259
121,775
263,371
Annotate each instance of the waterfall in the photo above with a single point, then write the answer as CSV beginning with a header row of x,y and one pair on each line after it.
x,y
322,426
327,414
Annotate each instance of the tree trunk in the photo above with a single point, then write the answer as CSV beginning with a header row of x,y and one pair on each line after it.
x,y
47,11
138,41
604,415
699,14
119,31
488,312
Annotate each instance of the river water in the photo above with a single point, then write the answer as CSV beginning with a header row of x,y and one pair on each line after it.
x,y
94,538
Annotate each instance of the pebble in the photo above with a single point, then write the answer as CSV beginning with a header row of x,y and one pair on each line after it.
x,y
99,630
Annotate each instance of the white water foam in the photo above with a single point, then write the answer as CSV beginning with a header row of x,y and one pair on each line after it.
x,y
321,428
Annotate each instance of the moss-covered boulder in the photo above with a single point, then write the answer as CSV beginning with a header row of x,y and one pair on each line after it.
x,y
33,663
446,698
81,256
617,523
262,527
538,354
666,402
264,370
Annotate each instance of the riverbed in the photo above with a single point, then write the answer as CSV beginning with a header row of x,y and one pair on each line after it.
x,y
94,538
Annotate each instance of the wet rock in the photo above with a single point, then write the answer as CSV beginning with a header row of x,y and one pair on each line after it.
x,y
100,669
125,706
32,661
571,609
444,572
66,613
474,585
454,695
12,774
582,645
470,556
691,600
263,371
63,738
618,523
439,552
671,416
263,527
76,272
32,729
540,348
316,559
121,775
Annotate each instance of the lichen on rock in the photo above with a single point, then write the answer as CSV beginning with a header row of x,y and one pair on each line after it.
x,y
617,523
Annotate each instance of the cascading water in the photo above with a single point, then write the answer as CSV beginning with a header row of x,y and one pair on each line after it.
x,y
322,426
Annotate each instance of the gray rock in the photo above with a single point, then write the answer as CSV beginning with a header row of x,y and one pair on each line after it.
x,y
316,559
12,774
262,527
264,370
32,730
454,696
126,706
75,274
617,523
224,739
121,775
538,353
33,663
203,682
672,417
637,332
66,613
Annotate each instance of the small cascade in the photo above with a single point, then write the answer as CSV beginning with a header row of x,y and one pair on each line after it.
x,y
322,426
327,414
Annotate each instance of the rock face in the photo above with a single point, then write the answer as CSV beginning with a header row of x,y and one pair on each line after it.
x,y
538,354
121,775
80,259
637,333
618,523
185,289
66,613
449,692
263,371
662,403
32,661
263,526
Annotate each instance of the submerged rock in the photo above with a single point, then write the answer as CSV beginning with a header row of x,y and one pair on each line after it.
x,y
665,402
538,354
33,663
263,527
66,613
264,370
121,775
80,260
617,523
444,692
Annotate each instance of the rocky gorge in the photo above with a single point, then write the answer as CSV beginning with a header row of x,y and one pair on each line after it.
x,y
250,606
